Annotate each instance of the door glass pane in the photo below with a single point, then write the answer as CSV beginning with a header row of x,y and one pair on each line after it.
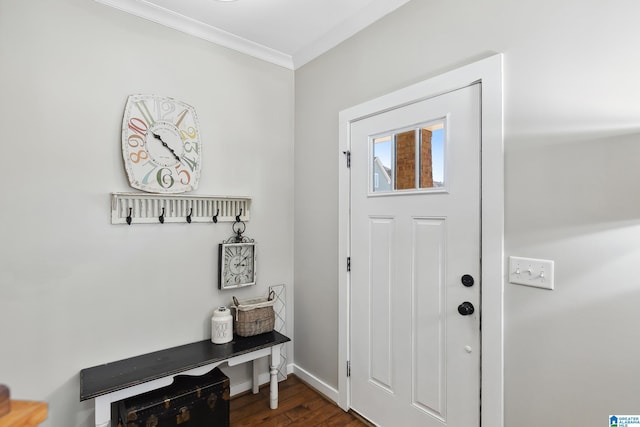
x,y
412,159
406,160
382,161
432,156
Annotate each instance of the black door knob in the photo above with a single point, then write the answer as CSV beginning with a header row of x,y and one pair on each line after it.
x,y
466,308
467,280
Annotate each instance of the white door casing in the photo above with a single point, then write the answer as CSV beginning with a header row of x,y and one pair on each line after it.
x,y
487,72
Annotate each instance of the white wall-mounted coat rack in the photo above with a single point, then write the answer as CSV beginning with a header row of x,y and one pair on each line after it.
x,y
141,208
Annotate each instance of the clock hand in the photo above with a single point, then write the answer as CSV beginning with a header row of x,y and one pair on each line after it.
x,y
156,136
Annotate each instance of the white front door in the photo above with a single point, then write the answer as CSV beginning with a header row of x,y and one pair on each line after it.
x,y
415,238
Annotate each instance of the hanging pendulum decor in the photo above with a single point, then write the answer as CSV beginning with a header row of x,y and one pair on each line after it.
x,y
237,259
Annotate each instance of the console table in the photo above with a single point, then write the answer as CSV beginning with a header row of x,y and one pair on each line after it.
x,y
115,381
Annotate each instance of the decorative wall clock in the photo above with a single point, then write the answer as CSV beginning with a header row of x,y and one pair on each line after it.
x,y
237,260
161,144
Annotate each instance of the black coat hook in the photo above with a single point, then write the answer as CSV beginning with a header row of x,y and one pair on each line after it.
x,y
215,217
189,216
161,217
238,216
129,216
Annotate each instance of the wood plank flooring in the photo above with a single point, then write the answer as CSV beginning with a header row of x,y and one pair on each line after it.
x,y
298,405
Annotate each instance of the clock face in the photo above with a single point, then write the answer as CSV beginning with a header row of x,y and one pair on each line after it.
x,y
161,144
237,265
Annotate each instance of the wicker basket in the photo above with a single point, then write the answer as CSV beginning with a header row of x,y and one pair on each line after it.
x,y
254,316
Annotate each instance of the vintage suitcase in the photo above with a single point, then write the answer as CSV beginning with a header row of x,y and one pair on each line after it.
x,y
191,401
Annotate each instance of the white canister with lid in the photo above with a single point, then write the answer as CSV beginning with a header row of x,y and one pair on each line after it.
x,y
221,326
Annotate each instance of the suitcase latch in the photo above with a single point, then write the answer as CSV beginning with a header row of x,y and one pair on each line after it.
x,y
152,421
183,415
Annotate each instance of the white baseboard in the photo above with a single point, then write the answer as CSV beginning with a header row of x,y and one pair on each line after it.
x,y
322,387
263,378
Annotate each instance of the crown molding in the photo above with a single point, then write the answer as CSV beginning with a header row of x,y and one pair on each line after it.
x,y
347,28
199,29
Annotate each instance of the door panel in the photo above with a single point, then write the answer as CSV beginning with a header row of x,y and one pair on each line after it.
x,y
428,330
382,261
415,361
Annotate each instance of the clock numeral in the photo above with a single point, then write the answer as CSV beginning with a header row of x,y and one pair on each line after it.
x,y
135,140
145,180
190,133
138,126
139,155
184,175
190,146
165,108
165,178
144,110
181,117
190,162
229,277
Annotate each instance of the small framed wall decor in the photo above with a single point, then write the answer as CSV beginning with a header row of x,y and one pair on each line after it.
x,y
237,259
237,264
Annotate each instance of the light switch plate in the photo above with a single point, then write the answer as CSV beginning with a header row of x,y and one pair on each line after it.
x,y
531,272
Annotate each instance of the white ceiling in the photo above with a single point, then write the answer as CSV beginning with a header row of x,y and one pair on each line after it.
x,y
289,33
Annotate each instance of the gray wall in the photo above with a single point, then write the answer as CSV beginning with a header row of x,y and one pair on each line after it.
x,y
76,291
572,127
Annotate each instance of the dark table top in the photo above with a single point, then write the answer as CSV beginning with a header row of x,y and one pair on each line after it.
x,y
110,377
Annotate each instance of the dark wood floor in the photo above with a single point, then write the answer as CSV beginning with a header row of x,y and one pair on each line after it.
x,y
298,405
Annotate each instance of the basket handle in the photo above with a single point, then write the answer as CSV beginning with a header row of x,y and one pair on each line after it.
x,y
272,295
235,301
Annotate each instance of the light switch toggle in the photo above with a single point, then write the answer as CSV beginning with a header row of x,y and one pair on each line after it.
x,y
531,272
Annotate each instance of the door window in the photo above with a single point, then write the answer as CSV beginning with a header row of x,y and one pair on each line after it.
x,y
409,160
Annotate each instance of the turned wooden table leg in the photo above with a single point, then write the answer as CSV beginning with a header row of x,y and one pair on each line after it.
x,y
256,377
274,363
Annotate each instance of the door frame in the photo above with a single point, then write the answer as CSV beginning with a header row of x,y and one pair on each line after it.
x,y
488,72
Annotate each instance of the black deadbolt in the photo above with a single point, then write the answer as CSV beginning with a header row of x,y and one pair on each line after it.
x,y
466,308
467,280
